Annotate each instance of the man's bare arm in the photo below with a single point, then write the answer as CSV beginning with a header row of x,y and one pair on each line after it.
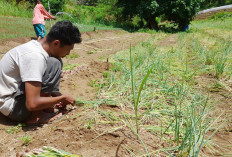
x,y
35,102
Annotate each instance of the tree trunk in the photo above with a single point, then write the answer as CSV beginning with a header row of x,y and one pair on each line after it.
x,y
152,24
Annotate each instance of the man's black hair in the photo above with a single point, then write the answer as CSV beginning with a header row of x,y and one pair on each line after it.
x,y
65,32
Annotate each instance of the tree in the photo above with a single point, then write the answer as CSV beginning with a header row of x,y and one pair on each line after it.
x,y
180,12
87,2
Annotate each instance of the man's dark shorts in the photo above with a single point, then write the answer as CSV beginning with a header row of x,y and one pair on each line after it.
x,y
50,83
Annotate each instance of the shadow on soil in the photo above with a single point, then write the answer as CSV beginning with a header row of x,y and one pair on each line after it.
x,y
5,121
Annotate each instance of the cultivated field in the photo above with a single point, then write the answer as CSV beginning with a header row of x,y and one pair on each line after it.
x,y
138,94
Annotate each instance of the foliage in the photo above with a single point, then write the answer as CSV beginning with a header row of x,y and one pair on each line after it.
x,y
180,12
215,3
87,2
55,5
11,9
89,14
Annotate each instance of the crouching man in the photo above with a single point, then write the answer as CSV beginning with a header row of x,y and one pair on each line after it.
x,y
30,76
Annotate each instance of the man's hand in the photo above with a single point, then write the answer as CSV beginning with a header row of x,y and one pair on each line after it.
x,y
68,100
35,102
60,106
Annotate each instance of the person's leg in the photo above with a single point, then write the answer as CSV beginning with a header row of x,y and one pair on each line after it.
x,y
19,112
36,28
52,75
50,84
40,31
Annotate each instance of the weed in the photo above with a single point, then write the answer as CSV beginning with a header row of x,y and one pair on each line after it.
x,y
105,74
90,52
72,56
89,123
69,66
26,140
15,129
93,83
97,84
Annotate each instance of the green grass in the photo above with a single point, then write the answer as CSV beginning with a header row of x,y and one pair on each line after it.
x,y
12,27
168,95
69,66
16,21
8,9
72,56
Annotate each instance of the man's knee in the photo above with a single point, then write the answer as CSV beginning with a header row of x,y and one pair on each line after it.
x,y
51,77
54,63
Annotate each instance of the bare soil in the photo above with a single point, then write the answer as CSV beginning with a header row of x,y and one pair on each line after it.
x,y
74,132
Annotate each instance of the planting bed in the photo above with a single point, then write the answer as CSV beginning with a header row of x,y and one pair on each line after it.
x,y
93,127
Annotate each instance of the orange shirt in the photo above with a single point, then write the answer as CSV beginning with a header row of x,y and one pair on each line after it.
x,y
40,13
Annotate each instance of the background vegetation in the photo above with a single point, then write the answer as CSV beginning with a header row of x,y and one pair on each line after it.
x,y
135,14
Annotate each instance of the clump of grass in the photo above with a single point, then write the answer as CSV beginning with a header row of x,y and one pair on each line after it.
x,y
69,66
72,56
106,74
220,64
89,123
15,129
26,140
90,52
189,122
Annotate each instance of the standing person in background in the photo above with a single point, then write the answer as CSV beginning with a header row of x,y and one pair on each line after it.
x,y
40,13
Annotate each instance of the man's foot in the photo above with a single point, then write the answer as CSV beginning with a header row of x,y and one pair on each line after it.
x,y
43,118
